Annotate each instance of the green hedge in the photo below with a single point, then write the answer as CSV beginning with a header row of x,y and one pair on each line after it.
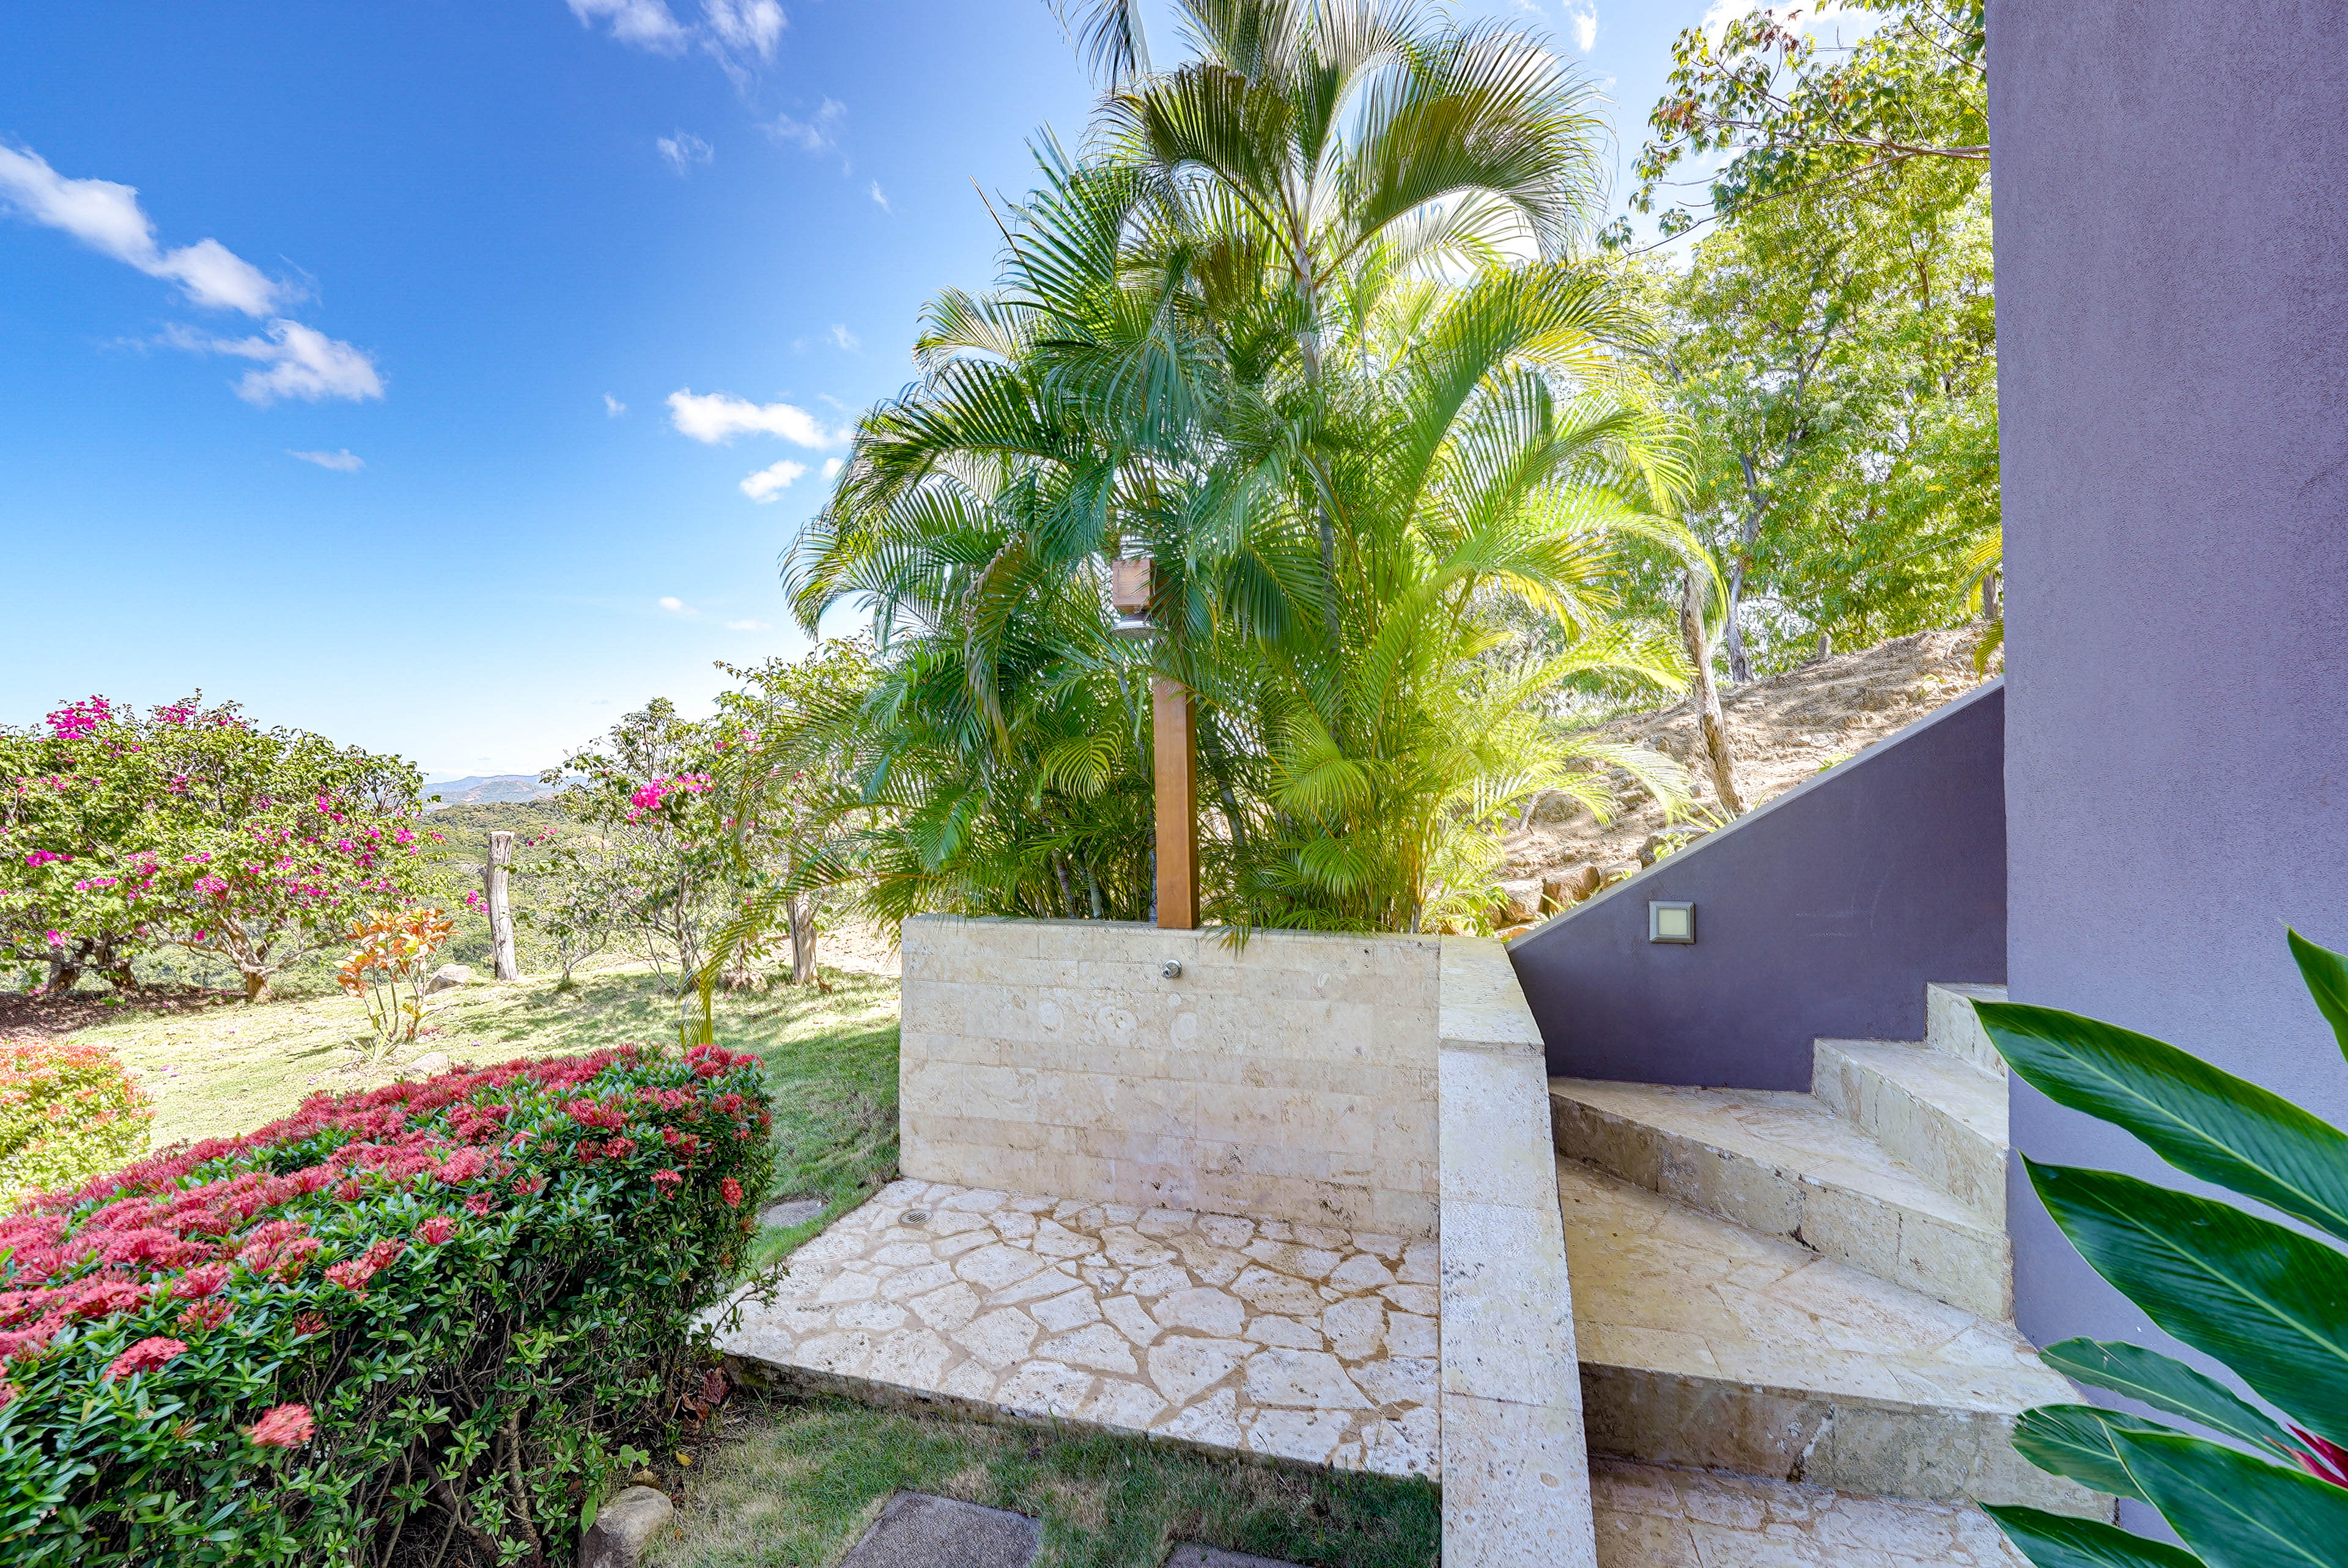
x,y
67,1112
439,1314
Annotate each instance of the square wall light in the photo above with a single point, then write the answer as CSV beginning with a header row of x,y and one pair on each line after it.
x,y
1669,921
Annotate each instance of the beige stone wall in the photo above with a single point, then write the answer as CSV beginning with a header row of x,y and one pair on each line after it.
x,y
1292,1078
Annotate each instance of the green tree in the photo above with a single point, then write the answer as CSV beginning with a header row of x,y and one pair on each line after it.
x,y
192,826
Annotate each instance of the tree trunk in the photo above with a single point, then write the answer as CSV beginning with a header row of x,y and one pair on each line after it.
x,y
1707,699
1991,610
801,912
501,935
256,985
64,973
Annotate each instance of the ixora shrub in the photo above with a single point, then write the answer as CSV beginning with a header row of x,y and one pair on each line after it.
x,y
67,1112
431,1318
2269,1301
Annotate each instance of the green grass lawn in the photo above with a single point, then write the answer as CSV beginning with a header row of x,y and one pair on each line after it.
x,y
792,1485
794,1482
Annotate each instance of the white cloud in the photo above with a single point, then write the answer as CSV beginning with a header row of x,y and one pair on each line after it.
x,y
842,338
1581,21
744,26
747,626
297,362
818,133
676,605
831,468
612,407
880,198
107,218
646,24
769,484
720,416
684,149
341,462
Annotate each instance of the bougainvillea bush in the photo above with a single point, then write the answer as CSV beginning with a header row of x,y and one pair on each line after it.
x,y
66,1112
430,1318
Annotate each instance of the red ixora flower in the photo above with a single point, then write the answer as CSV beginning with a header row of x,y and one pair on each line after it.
x,y
436,1229
667,1181
731,1190
145,1357
8,1393
282,1427
209,1312
308,1323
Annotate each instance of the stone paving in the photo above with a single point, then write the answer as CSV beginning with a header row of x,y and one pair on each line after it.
x,y
1650,1516
1289,1340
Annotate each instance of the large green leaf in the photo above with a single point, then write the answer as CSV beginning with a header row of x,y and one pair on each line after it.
x,y
2270,1303
2206,1122
2059,1541
2080,1441
2236,1511
2166,1384
2326,974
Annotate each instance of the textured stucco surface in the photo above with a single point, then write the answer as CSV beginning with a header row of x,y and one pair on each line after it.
x,y
1292,1078
1823,913
2172,300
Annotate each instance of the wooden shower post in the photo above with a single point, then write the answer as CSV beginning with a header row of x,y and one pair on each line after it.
x,y
1174,724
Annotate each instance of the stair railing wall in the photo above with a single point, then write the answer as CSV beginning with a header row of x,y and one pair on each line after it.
x,y
1821,914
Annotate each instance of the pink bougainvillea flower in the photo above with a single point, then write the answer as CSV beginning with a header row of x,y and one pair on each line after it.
x,y
282,1427
731,1190
145,1357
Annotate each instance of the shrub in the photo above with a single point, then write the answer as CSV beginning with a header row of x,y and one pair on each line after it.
x,y
2266,1300
66,1112
436,1317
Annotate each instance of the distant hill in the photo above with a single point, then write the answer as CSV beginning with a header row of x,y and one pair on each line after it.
x,y
494,787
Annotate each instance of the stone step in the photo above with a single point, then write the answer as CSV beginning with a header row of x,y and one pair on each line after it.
x,y
1705,1344
1785,1166
1936,1113
1949,1025
1652,1516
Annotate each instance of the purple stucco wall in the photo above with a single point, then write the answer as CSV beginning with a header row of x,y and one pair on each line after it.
x,y
1821,914
2172,328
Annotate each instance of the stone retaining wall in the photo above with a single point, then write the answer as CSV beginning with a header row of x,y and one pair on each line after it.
x,y
1291,1078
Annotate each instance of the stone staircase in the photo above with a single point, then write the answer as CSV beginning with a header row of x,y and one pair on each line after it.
x,y
1805,1292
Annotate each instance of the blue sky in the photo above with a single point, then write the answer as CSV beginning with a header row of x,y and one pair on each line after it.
x,y
446,376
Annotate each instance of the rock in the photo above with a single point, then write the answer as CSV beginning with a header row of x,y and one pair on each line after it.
x,y
625,1526
430,1061
1520,900
1552,806
917,1530
448,978
1570,887
1619,870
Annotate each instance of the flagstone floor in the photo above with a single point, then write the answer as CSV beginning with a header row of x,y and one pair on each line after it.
x,y
1290,1340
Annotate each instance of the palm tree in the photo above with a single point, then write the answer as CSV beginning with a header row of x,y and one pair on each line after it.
x,y
1306,327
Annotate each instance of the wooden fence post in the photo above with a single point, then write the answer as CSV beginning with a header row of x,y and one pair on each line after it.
x,y
500,907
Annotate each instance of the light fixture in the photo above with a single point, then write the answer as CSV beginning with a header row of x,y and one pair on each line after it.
x,y
1670,921
1129,591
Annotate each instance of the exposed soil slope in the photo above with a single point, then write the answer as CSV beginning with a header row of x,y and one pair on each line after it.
x,y
1783,729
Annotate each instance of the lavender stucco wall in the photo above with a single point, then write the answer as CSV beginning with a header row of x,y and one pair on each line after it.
x,y
2172,325
1822,913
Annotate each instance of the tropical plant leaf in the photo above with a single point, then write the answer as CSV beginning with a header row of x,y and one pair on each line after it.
x,y
2206,1122
2235,1510
2326,974
2061,1540
2079,1441
2270,1303
2166,1384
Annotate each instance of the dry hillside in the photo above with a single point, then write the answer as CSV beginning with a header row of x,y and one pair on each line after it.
x,y
1782,730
